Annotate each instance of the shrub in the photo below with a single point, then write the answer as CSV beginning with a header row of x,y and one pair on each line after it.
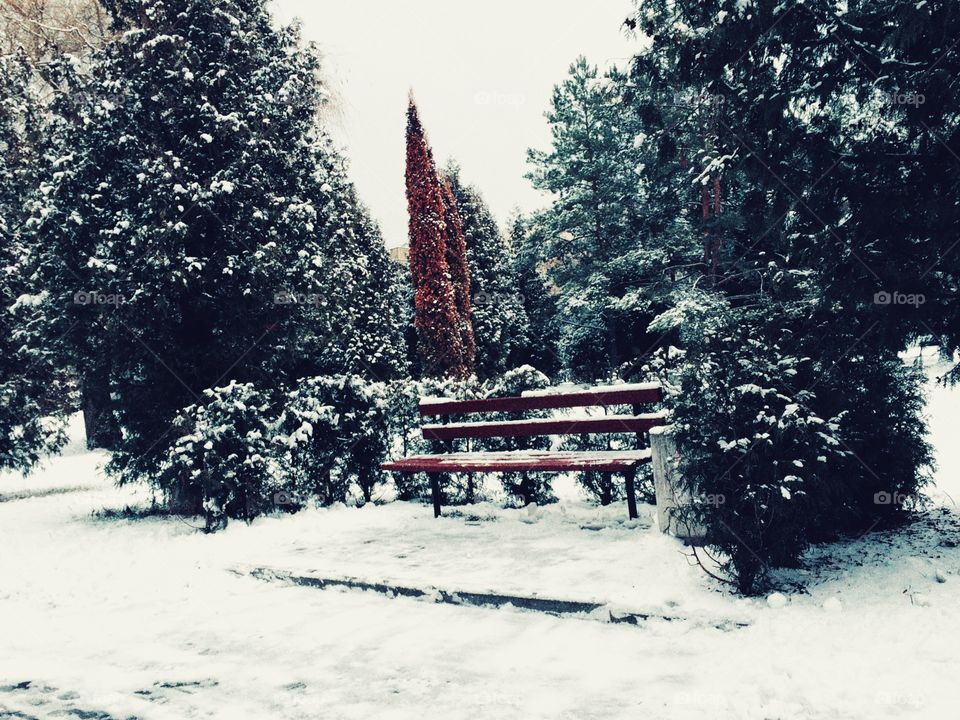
x,y
225,462
779,450
337,431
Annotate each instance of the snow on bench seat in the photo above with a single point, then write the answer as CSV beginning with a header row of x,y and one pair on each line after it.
x,y
602,461
549,426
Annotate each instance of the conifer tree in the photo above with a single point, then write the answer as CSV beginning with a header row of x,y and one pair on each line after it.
x,y
542,349
499,320
192,227
30,386
593,244
459,274
833,133
439,324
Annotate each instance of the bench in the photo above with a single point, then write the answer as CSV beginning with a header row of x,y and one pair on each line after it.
x,y
609,461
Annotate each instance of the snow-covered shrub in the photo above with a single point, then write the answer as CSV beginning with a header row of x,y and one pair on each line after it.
x,y
521,487
225,461
780,449
883,431
337,432
757,457
404,423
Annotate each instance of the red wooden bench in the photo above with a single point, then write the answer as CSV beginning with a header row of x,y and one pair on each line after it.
x,y
613,461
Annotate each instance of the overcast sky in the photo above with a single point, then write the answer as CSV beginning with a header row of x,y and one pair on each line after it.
x,y
481,72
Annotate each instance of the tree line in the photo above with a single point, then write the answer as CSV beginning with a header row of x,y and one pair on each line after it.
x,y
760,209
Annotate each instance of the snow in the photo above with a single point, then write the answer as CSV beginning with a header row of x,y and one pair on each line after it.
x,y
108,617
571,388
507,423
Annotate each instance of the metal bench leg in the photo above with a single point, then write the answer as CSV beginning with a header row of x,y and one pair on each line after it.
x,y
435,491
629,476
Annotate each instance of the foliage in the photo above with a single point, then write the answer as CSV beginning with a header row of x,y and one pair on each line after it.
x,y
225,459
195,226
31,386
766,439
336,428
499,319
441,293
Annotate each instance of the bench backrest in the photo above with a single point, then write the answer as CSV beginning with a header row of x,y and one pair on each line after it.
x,y
601,396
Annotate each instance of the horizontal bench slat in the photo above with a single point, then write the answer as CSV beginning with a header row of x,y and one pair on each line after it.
x,y
604,461
551,426
596,396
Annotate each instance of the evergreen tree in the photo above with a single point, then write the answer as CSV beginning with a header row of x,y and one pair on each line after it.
x,y
539,301
818,186
595,249
459,274
356,327
179,217
498,317
443,342
30,387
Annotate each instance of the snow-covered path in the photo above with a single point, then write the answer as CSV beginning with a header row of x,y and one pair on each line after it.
x,y
112,618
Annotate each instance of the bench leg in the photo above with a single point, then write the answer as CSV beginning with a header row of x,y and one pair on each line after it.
x,y
629,476
435,492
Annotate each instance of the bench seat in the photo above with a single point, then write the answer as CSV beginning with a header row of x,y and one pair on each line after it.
x,y
519,460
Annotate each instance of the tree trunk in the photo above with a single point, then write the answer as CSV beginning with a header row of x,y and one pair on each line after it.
x,y
98,421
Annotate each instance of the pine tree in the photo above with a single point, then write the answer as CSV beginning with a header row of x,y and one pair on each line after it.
x,y
592,232
357,323
498,317
439,324
541,350
182,213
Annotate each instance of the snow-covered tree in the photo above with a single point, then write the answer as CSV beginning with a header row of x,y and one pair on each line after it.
x,y
441,293
192,229
499,320
537,295
225,460
595,250
817,185
30,386
357,326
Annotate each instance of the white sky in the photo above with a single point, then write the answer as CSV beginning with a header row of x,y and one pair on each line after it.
x,y
481,72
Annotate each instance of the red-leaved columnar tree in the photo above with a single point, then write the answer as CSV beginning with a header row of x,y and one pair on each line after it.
x,y
459,274
437,321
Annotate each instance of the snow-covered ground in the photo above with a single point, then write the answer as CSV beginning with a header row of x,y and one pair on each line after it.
x,y
110,618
